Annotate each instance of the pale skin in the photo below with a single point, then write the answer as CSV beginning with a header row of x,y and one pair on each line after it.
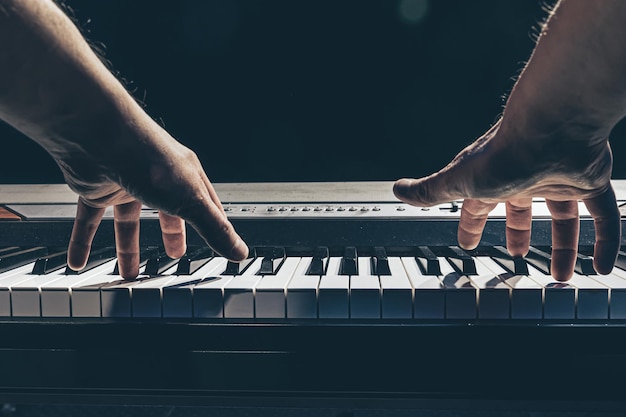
x,y
551,142
55,90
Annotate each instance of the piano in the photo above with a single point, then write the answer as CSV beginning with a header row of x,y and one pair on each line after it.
x,y
349,298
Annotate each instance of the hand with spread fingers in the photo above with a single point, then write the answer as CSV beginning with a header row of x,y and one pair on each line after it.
x,y
54,89
551,142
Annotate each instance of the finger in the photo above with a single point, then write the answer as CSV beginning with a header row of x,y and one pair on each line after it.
x,y
437,188
565,230
518,225
214,227
472,222
174,235
606,219
85,226
212,192
127,238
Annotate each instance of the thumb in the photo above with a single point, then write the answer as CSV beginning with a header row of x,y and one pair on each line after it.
x,y
440,187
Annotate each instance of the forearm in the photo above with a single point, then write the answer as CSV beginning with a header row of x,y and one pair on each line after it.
x,y
52,86
577,73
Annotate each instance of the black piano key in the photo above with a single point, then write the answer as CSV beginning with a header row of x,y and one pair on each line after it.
x,y
8,250
237,268
620,262
584,265
539,259
194,260
145,253
96,258
380,263
318,262
515,264
273,258
427,261
349,262
159,264
50,263
461,261
21,257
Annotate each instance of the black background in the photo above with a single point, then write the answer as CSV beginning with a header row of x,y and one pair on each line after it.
x,y
309,90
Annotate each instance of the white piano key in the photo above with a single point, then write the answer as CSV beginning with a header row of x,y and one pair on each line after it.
x,y
617,284
57,297
25,296
146,294
239,293
208,296
526,293
592,301
364,292
559,298
6,280
430,300
397,292
270,291
178,298
334,292
493,293
115,299
461,295
302,293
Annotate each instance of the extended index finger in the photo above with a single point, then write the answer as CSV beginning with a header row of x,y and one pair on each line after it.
x,y
606,219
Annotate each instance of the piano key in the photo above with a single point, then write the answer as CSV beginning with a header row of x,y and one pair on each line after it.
x,y
493,293
146,293
349,262
9,249
239,292
302,289
191,262
584,265
96,258
516,265
428,261
559,298
396,291
208,295
6,280
178,297
50,263
318,261
526,296
429,292
364,292
238,268
334,292
270,291
617,285
380,262
21,257
273,257
592,301
461,295
620,262
25,296
145,253
58,298
159,264
461,261
540,259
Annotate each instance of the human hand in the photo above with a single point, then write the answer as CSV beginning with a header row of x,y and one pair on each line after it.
x,y
504,167
155,169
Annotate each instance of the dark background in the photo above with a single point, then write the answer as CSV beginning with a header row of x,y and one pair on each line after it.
x,y
310,90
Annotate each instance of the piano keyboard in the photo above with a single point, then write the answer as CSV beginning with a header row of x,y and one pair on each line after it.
x,y
372,283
